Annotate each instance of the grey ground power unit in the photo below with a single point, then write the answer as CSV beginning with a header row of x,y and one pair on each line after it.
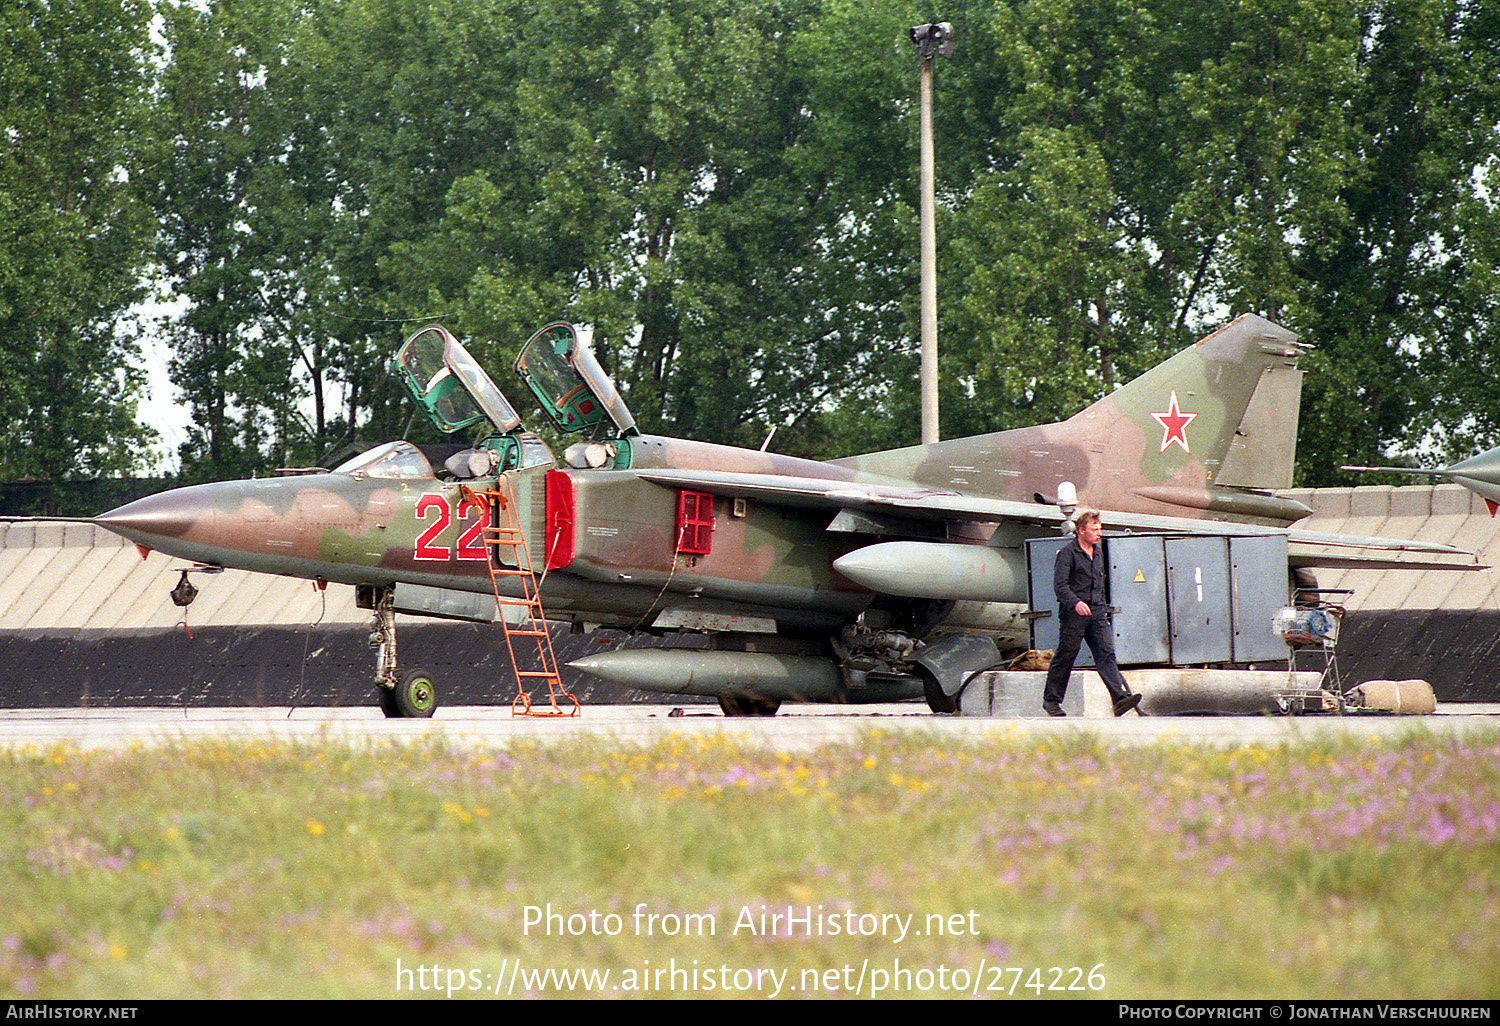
x,y
1177,600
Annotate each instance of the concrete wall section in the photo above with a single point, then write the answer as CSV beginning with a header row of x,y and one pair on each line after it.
x,y
1448,514
76,576
1442,626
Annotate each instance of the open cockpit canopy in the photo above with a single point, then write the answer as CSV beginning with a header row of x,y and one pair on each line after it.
x,y
569,384
450,385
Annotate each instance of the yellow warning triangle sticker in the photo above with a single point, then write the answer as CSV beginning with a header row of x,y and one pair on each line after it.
x,y
1140,578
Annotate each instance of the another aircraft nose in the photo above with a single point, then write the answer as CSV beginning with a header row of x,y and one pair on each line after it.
x,y
1484,468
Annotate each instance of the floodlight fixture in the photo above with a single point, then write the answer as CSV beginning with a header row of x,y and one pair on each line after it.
x,y
936,38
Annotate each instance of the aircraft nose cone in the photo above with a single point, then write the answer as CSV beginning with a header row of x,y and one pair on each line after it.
x,y
164,515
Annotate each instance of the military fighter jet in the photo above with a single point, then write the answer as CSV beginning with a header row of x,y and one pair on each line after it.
x,y
1479,474
876,578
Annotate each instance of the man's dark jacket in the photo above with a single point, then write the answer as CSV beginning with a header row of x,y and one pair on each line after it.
x,y
1076,577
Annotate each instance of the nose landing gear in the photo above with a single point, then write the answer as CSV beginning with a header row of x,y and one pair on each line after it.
x,y
411,694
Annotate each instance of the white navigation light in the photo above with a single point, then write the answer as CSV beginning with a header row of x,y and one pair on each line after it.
x,y
1067,498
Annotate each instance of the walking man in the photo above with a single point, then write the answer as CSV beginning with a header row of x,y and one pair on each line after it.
x,y
1078,580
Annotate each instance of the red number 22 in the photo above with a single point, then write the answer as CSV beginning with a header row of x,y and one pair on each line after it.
x,y
470,545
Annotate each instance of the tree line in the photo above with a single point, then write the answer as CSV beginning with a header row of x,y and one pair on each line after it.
x,y
725,190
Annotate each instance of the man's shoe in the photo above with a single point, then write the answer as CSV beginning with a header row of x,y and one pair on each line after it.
x,y
1053,709
1126,704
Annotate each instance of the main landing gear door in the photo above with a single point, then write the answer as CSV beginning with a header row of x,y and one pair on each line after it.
x,y
569,383
450,385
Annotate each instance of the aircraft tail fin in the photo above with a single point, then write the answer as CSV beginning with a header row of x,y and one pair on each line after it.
x,y
1229,403
1207,432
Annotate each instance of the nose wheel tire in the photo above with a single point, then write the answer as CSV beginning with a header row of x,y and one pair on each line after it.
x,y
414,696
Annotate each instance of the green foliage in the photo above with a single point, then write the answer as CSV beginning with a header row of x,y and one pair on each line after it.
x,y
677,180
223,154
1405,281
725,192
72,236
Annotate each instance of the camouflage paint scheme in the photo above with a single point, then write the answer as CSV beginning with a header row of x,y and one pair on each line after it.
x,y
1210,433
1186,439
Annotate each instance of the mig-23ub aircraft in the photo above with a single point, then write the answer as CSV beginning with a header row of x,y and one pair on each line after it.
x,y
875,578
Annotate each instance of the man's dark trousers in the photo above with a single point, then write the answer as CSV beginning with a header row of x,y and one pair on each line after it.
x,y
1073,630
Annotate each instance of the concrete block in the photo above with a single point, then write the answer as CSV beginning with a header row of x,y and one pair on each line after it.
x,y
1330,503
17,536
1412,501
1017,694
1451,499
1371,501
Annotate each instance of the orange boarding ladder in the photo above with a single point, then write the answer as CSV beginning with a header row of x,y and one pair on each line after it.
x,y
503,533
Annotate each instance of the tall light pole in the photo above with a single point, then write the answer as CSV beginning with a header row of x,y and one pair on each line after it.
x,y
931,39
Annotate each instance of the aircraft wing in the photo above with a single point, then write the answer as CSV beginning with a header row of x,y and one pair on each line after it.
x,y
1305,548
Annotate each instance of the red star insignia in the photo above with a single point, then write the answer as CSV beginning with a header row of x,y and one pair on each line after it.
x,y
1174,425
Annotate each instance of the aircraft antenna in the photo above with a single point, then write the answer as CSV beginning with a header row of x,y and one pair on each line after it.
x,y
505,539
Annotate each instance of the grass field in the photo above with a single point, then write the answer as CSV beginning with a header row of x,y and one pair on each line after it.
x,y
897,866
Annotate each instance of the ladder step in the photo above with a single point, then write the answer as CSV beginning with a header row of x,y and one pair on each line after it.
x,y
525,633
536,673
